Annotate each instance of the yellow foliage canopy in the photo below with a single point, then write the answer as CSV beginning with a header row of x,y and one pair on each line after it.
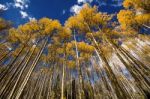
x,y
85,48
92,17
87,18
143,19
64,34
126,18
4,24
48,26
75,23
25,32
13,35
137,4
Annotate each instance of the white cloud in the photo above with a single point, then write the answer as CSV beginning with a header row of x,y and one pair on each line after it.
x,y
22,4
84,1
64,11
24,14
32,18
75,9
20,1
26,6
18,5
3,7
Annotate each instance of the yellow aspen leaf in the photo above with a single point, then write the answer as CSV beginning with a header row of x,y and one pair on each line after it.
x,y
126,18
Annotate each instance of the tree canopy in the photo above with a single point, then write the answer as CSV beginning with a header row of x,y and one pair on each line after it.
x,y
89,57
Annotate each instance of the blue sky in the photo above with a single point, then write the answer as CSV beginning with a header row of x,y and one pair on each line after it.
x,y
21,11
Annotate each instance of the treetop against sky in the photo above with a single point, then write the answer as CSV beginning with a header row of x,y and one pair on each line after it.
x,y
21,11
